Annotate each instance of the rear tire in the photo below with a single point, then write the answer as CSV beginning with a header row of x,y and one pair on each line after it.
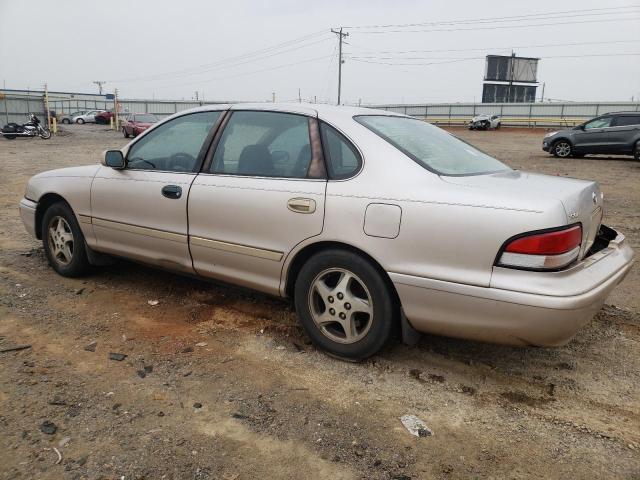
x,y
124,132
561,149
63,241
345,304
636,151
66,121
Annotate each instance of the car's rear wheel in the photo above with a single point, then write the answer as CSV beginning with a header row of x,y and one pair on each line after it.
x,y
636,151
124,132
80,121
498,126
345,304
66,120
63,241
561,149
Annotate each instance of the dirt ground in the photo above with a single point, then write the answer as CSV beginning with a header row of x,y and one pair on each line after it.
x,y
220,383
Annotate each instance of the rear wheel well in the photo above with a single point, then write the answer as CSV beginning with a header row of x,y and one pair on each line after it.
x,y
43,204
307,252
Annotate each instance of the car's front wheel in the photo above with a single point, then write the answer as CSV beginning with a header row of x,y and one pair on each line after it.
x,y
80,121
345,304
636,151
63,241
124,132
561,149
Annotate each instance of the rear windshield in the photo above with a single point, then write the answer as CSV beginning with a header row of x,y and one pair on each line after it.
x,y
430,146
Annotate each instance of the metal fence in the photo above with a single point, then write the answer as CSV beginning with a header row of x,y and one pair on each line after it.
x,y
513,114
16,104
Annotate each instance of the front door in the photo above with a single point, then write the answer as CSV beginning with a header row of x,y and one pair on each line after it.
x,y
140,212
594,137
259,195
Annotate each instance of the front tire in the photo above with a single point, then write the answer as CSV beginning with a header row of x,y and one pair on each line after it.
x,y
124,132
63,241
80,121
561,149
345,304
636,152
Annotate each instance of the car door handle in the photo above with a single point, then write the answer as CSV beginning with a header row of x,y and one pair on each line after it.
x,y
172,191
301,205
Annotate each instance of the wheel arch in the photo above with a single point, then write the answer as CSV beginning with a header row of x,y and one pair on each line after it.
x,y
44,203
300,257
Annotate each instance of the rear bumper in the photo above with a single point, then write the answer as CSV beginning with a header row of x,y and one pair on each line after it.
x,y
520,307
28,215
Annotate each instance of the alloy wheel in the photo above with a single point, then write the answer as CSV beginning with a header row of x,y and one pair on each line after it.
x,y
341,305
60,240
562,149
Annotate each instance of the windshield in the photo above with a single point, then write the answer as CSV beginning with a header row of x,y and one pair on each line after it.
x,y
430,146
146,118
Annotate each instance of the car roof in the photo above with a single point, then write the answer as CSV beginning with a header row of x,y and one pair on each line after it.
x,y
313,109
622,113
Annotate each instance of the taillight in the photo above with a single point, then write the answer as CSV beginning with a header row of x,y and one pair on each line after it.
x,y
542,250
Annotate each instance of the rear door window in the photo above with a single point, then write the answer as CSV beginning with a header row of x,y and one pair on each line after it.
x,y
626,120
342,158
264,144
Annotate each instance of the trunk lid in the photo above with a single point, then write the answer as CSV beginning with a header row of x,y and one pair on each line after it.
x,y
582,199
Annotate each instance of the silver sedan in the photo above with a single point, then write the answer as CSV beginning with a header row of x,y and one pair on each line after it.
x,y
369,220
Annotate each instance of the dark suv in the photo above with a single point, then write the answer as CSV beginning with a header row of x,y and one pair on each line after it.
x,y
612,133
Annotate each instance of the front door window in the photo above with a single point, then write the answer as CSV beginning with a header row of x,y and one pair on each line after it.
x,y
174,146
603,122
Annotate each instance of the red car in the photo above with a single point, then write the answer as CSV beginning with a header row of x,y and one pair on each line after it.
x,y
105,116
136,123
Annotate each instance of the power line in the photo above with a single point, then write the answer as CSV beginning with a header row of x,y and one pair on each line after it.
x,y
228,59
358,59
285,65
495,27
580,12
548,45
228,65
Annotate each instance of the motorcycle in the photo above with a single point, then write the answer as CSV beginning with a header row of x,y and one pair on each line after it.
x,y
33,128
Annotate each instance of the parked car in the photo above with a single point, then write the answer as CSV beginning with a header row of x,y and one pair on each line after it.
x,y
68,118
88,117
485,122
613,133
105,116
368,219
136,123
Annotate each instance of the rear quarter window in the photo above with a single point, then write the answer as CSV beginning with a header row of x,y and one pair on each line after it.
x,y
342,158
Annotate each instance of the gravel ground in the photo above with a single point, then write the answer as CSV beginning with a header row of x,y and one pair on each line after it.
x,y
220,383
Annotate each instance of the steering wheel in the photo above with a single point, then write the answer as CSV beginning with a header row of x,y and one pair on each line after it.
x,y
181,162
138,159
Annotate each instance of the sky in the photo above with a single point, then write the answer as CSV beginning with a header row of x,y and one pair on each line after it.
x,y
401,51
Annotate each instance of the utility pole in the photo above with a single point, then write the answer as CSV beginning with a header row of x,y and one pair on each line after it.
x,y
299,96
542,97
116,106
99,83
196,95
273,97
341,36
46,105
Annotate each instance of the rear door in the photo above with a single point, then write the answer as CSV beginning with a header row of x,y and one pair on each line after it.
x,y
261,192
594,137
623,132
140,212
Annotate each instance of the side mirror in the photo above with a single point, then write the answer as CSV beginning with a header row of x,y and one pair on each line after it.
x,y
114,159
